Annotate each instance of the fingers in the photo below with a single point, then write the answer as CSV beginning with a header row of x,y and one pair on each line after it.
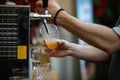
x,y
63,44
39,2
50,52
61,50
39,6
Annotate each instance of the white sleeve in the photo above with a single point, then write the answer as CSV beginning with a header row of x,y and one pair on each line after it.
x,y
117,30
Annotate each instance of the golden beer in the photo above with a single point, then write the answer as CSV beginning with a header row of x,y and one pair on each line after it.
x,y
51,44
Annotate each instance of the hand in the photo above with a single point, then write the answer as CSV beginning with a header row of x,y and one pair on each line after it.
x,y
62,49
53,7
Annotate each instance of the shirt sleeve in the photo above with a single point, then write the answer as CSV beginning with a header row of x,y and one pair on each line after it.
x,y
117,30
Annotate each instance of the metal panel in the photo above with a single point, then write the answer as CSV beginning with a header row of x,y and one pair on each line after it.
x,y
14,39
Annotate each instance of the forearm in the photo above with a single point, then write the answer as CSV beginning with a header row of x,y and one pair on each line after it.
x,y
88,53
94,34
97,35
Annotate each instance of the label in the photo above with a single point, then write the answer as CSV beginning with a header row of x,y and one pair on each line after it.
x,y
22,52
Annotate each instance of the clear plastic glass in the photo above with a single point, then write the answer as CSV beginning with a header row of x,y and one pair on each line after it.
x,y
49,35
41,62
44,70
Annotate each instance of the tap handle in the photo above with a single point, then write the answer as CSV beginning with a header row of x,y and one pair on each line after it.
x,y
45,3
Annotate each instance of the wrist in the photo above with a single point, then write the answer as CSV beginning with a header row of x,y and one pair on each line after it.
x,y
62,18
56,15
69,48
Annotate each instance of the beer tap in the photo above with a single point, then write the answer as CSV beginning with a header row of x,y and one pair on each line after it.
x,y
45,6
47,31
43,17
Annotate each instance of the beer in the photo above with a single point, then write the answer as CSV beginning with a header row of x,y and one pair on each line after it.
x,y
51,44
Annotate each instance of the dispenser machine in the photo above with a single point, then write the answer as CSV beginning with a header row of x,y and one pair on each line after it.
x,y
14,42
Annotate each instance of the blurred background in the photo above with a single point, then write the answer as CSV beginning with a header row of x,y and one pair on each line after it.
x,y
104,12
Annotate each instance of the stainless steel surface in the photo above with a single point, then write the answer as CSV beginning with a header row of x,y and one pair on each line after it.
x,y
36,16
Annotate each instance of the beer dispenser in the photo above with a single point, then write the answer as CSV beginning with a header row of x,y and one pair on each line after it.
x,y
14,42
15,56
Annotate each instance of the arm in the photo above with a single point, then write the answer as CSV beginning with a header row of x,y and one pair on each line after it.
x,y
87,53
97,35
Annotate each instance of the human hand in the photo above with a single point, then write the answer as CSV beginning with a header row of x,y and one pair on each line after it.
x,y
53,7
61,50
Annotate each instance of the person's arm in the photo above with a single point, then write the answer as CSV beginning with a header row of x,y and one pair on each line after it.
x,y
97,35
87,53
